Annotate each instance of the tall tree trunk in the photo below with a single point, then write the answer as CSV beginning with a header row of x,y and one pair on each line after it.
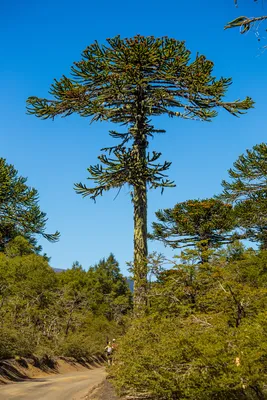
x,y
140,228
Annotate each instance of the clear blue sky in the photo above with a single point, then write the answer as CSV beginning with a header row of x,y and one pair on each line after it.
x,y
40,40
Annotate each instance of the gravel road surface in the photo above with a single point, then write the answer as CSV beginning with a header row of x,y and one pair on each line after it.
x,y
71,386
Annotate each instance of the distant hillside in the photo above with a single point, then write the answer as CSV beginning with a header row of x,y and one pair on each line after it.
x,y
57,270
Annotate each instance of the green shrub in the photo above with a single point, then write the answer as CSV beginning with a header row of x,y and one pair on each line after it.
x,y
199,358
91,339
73,313
14,343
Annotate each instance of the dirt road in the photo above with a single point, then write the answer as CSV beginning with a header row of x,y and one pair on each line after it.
x,y
71,386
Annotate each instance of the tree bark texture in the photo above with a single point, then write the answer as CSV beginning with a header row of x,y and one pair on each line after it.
x,y
140,229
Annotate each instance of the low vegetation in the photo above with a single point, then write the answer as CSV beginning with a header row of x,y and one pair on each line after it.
x,y
71,313
205,335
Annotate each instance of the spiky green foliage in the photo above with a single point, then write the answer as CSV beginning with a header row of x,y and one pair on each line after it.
x,y
20,213
128,81
125,168
247,189
204,224
248,175
105,83
251,216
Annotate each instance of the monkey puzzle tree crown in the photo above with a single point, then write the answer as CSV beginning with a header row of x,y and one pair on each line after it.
x,y
127,82
104,83
204,224
247,189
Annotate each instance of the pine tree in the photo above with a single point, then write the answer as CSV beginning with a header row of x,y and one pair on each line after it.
x,y
248,191
20,214
203,224
129,81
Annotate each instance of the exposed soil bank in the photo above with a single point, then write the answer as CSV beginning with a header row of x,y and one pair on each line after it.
x,y
23,369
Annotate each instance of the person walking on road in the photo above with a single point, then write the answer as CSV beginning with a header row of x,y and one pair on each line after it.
x,y
108,350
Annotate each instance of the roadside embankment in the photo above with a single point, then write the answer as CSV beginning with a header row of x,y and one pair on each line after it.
x,y
23,369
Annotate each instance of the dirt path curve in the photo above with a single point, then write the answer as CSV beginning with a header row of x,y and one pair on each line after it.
x,y
71,386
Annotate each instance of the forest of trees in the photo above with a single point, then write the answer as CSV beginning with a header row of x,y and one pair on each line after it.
x,y
48,314
204,335
204,331
198,329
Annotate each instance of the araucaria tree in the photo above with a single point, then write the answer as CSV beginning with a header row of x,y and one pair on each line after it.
x,y
247,189
127,82
204,224
20,214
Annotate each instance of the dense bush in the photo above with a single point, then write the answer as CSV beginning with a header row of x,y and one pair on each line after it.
x,y
71,313
91,339
205,336
199,358
14,342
